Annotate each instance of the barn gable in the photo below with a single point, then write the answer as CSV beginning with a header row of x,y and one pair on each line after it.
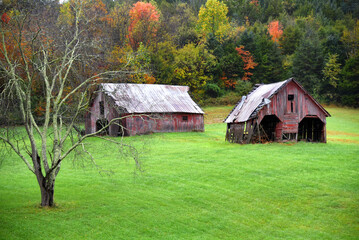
x,y
144,108
277,112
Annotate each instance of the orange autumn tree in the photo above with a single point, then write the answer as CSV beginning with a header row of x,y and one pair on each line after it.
x,y
248,61
144,19
275,29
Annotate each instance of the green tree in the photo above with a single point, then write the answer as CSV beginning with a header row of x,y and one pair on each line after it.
x,y
308,62
331,78
273,8
331,70
350,39
244,11
119,20
349,86
213,20
290,39
183,22
192,67
266,54
163,61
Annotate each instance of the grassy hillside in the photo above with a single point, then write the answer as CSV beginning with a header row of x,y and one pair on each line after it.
x,y
196,186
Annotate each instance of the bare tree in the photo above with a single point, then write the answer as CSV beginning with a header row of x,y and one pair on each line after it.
x,y
31,55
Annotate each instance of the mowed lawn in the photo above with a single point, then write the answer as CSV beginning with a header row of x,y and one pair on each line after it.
x,y
195,186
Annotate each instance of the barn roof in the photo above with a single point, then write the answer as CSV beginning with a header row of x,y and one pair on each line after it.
x,y
151,98
251,104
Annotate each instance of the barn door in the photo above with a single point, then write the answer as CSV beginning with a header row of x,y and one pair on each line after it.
x,y
102,124
122,127
311,129
268,126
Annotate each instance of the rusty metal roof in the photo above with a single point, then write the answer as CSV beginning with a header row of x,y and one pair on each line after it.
x,y
244,110
151,98
251,104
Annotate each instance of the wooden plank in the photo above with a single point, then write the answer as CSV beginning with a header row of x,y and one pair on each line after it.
x,y
241,133
250,132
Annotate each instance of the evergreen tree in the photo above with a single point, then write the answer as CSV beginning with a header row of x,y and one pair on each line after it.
x,y
349,87
329,85
308,62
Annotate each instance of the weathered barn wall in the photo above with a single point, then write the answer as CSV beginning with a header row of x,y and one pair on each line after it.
x,y
135,124
291,114
175,122
94,114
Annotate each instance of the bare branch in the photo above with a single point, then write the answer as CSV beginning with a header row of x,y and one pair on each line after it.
x,y
17,151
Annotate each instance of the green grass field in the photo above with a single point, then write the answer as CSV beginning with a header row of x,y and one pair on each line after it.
x,y
196,186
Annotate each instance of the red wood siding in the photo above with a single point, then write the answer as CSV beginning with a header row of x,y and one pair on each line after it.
x,y
141,124
280,106
164,123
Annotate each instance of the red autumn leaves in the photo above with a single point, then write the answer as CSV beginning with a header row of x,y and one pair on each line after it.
x,y
248,62
5,18
143,26
275,30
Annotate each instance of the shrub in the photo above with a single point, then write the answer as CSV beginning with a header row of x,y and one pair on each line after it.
x,y
213,90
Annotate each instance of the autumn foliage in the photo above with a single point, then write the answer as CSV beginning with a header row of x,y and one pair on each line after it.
x,y
248,61
213,20
5,18
228,83
143,24
275,30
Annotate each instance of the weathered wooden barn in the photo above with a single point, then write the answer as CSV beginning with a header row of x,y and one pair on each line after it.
x,y
142,109
282,111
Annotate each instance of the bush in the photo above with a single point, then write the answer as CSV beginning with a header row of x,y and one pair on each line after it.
x,y
230,98
213,90
243,87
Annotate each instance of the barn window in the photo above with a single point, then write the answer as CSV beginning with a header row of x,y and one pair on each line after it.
x,y
185,118
102,108
291,99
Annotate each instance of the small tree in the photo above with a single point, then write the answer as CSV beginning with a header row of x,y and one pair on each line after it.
x,y
213,20
248,62
275,30
32,53
143,24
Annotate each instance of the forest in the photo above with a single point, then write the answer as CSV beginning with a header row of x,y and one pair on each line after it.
x,y
220,49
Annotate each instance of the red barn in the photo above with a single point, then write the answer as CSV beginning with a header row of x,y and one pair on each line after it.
x,y
277,112
143,108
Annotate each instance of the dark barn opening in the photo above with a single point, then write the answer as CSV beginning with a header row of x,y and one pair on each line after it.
x,y
311,129
122,130
268,126
101,123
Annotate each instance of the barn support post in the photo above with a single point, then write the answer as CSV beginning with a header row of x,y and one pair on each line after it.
x,y
241,133
227,133
250,131
259,132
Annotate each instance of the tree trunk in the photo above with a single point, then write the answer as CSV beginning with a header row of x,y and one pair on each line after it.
x,y
46,185
47,196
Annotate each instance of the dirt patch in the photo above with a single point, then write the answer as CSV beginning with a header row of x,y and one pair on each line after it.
x,y
336,133
343,140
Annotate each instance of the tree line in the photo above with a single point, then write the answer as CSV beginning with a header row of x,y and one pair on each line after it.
x,y
220,49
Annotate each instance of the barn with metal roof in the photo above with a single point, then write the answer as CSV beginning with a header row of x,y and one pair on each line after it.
x,y
143,108
280,111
